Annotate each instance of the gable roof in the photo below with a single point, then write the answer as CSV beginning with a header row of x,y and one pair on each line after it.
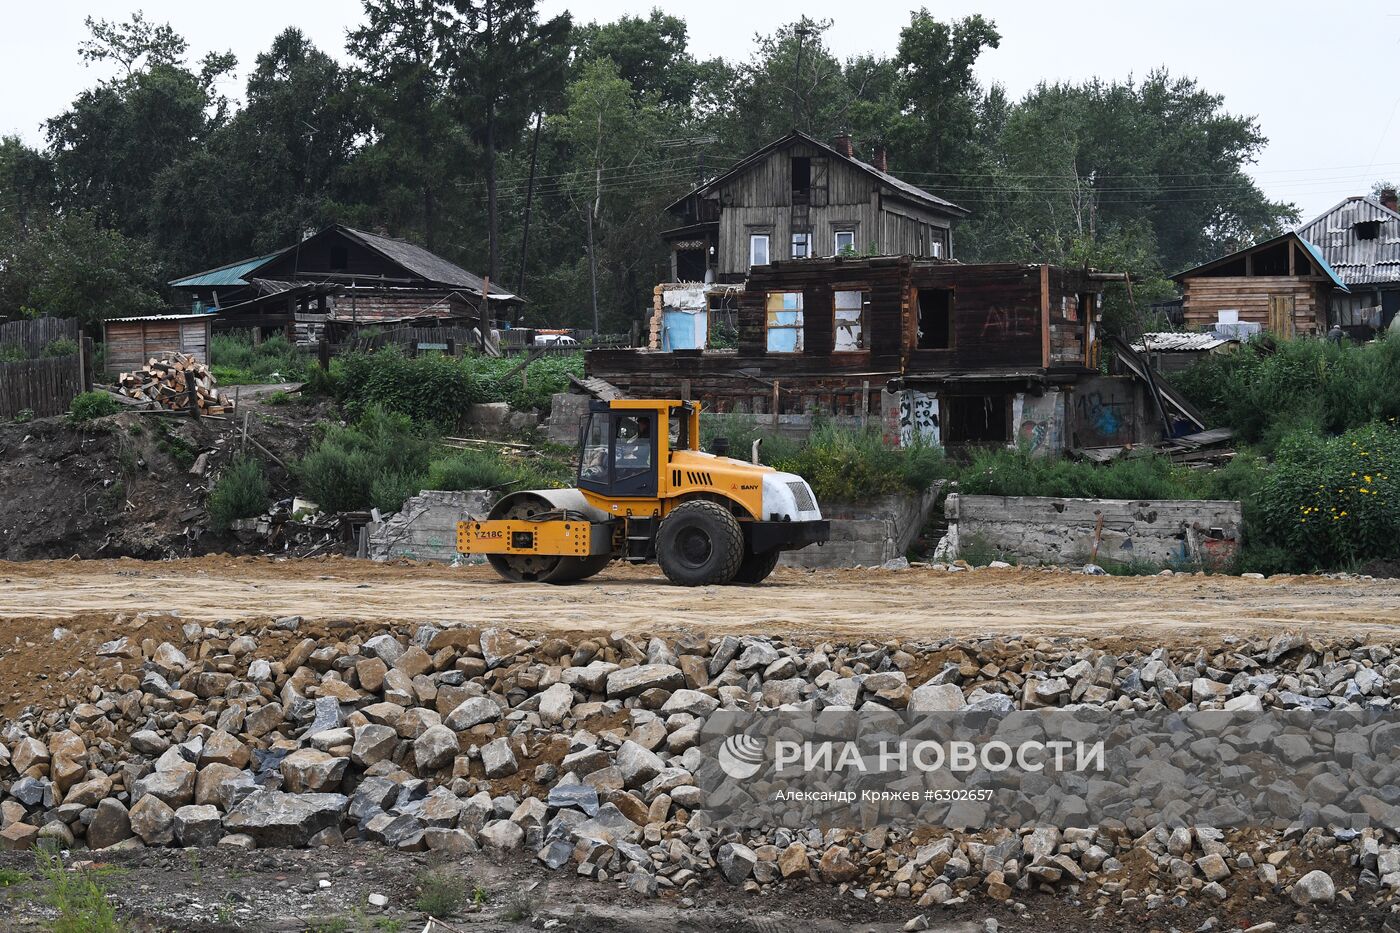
x,y
1292,235
903,187
1358,261
232,274
420,262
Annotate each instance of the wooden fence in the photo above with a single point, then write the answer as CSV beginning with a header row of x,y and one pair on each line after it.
x,y
33,336
45,386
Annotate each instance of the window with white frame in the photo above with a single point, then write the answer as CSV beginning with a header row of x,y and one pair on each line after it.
x,y
801,245
848,308
784,322
758,249
845,242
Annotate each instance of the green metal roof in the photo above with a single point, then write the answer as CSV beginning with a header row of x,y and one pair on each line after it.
x,y
231,274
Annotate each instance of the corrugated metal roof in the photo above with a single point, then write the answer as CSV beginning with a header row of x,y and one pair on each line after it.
x,y
1169,342
231,274
1312,249
1358,261
159,317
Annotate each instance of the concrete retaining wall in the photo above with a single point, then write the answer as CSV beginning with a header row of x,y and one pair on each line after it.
x,y
1045,530
426,527
869,533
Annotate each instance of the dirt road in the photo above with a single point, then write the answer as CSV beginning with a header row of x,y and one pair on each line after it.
x,y
915,603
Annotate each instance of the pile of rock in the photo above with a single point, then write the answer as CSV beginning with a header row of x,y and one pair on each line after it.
x,y
584,754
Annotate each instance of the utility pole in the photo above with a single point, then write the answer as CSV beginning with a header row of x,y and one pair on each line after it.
x,y
529,198
801,33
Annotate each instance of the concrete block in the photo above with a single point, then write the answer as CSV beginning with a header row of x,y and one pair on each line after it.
x,y
426,527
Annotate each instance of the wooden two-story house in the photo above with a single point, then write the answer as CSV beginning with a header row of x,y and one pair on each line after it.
x,y
951,354
800,198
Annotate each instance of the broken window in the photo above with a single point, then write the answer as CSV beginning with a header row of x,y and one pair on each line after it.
x,y
801,179
801,245
845,243
758,249
938,243
1368,229
977,419
784,322
935,319
849,310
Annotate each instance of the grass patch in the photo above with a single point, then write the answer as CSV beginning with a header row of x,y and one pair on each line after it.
x,y
241,492
87,406
442,892
841,464
236,360
9,878
78,897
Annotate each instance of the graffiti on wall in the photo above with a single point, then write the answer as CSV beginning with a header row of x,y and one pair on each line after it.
x,y
1002,322
1039,422
1104,413
918,418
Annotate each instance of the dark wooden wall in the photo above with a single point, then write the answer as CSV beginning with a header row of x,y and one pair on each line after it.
x,y
1010,320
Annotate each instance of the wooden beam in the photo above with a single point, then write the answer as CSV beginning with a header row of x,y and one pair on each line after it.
x,y
1045,316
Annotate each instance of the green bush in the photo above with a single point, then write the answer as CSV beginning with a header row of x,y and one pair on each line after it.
x,y
236,360
436,389
241,492
1333,502
89,405
431,389
1267,391
368,464
11,353
63,346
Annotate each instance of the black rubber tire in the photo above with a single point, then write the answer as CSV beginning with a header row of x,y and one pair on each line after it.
x,y
755,568
700,544
573,569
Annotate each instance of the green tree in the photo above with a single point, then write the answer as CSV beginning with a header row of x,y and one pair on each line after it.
x,y
417,151
276,168
504,66
115,139
69,265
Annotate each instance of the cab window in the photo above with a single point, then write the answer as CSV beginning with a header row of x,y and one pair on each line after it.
x,y
632,445
594,463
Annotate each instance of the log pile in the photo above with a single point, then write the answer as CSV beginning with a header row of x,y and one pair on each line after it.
x,y
168,383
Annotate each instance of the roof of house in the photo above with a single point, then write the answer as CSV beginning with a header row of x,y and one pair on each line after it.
x,y
230,274
1172,342
417,260
1312,249
158,317
421,262
1358,261
903,187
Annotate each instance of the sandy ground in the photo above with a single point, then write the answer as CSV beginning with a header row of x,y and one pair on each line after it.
x,y
911,604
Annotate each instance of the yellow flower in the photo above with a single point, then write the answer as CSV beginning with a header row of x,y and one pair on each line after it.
x,y
1366,478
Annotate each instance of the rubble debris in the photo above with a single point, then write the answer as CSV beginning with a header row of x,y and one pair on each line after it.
x,y
582,754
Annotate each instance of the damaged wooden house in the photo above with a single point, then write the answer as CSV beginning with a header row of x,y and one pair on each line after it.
x,y
936,351
337,280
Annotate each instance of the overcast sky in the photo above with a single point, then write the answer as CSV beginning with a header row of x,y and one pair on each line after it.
x,y
1320,79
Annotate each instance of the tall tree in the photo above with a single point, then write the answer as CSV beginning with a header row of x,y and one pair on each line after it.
x,y
116,138
937,90
417,149
504,66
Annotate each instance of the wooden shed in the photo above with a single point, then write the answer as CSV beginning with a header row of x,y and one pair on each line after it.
x,y
131,341
1282,285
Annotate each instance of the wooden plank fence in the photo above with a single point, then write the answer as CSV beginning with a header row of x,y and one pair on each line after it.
x,y
44,386
33,336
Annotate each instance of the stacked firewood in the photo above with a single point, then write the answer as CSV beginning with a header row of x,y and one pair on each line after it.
x,y
175,382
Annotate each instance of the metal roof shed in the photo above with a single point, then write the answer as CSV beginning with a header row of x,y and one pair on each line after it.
x,y
131,341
